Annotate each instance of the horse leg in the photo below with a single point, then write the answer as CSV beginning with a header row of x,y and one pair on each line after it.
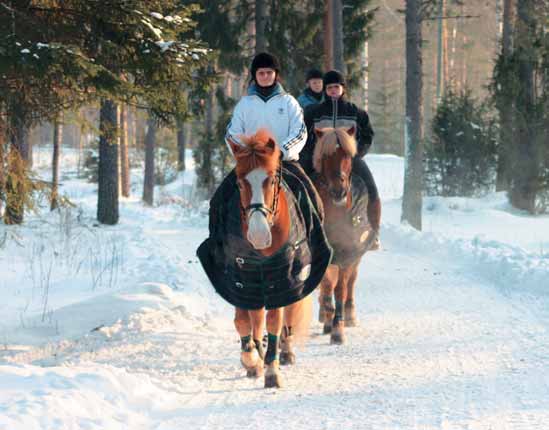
x,y
350,311
325,299
274,328
338,326
258,328
249,356
327,286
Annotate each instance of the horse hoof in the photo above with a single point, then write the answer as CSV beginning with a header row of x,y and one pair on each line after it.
x,y
327,328
338,335
287,358
250,359
351,322
272,376
255,372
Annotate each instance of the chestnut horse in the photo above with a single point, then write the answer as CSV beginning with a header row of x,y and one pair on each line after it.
x,y
265,223
345,224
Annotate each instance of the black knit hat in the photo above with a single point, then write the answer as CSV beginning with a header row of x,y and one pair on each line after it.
x,y
313,74
264,60
333,77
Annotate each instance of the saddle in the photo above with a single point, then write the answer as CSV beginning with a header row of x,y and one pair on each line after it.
x,y
247,279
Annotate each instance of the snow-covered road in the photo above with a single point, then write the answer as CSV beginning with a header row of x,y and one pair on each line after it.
x,y
438,347
453,325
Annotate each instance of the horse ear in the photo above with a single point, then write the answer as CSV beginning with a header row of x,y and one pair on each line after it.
x,y
319,133
235,147
271,144
351,131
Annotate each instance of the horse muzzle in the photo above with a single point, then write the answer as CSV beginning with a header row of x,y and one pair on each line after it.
x,y
259,231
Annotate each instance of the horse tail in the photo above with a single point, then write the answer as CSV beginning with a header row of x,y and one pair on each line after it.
x,y
301,320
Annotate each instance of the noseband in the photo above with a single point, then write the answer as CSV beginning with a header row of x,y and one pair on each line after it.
x,y
260,207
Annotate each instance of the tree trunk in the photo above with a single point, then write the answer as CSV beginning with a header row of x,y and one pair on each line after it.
x,y
207,165
328,36
523,188
2,163
506,138
337,16
17,167
413,174
364,80
181,144
124,156
440,50
57,137
107,195
150,143
260,25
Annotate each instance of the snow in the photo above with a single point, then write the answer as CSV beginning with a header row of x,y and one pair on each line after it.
x,y
118,327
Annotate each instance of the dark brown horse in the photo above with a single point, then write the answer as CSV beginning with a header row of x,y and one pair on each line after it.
x,y
346,227
265,222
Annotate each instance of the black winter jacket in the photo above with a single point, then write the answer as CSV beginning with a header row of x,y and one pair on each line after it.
x,y
335,114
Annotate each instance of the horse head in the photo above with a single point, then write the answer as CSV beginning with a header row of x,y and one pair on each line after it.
x,y
332,160
258,177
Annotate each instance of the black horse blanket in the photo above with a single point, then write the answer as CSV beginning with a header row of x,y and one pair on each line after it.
x,y
350,237
249,280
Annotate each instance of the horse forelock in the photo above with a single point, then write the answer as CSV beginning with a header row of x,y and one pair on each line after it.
x,y
331,140
256,153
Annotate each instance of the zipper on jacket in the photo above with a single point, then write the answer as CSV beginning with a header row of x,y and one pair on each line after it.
x,y
334,111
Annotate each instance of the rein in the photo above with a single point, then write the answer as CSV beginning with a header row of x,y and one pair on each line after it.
x,y
260,207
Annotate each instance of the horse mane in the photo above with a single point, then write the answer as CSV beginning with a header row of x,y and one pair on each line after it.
x,y
259,150
332,138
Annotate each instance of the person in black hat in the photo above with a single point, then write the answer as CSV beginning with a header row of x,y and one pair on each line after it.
x,y
334,112
312,94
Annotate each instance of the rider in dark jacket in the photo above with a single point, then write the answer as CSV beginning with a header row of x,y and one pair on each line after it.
x,y
337,112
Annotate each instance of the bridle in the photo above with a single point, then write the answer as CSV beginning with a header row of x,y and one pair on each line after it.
x,y
260,207
321,180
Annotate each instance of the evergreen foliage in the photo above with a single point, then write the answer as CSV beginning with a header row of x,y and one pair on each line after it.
x,y
461,159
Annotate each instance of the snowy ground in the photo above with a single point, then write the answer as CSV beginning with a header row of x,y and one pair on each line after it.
x,y
118,328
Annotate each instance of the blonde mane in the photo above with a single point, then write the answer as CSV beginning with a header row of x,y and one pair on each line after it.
x,y
330,140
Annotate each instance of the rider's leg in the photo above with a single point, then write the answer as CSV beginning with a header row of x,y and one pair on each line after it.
x,y
295,168
374,203
218,202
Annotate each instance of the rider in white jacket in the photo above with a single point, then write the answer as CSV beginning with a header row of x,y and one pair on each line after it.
x,y
278,112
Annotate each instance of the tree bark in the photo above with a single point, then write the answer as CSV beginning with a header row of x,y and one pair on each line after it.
x,y
440,50
260,25
150,143
505,148
124,156
107,195
413,174
328,35
57,137
337,16
17,167
181,144
525,172
2,163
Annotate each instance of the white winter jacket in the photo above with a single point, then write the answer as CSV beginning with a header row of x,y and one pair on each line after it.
x,y
280,113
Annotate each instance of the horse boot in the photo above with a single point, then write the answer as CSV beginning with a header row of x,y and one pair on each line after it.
x,y
374,218
350,314
287,354
329,311
272,364
251,360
